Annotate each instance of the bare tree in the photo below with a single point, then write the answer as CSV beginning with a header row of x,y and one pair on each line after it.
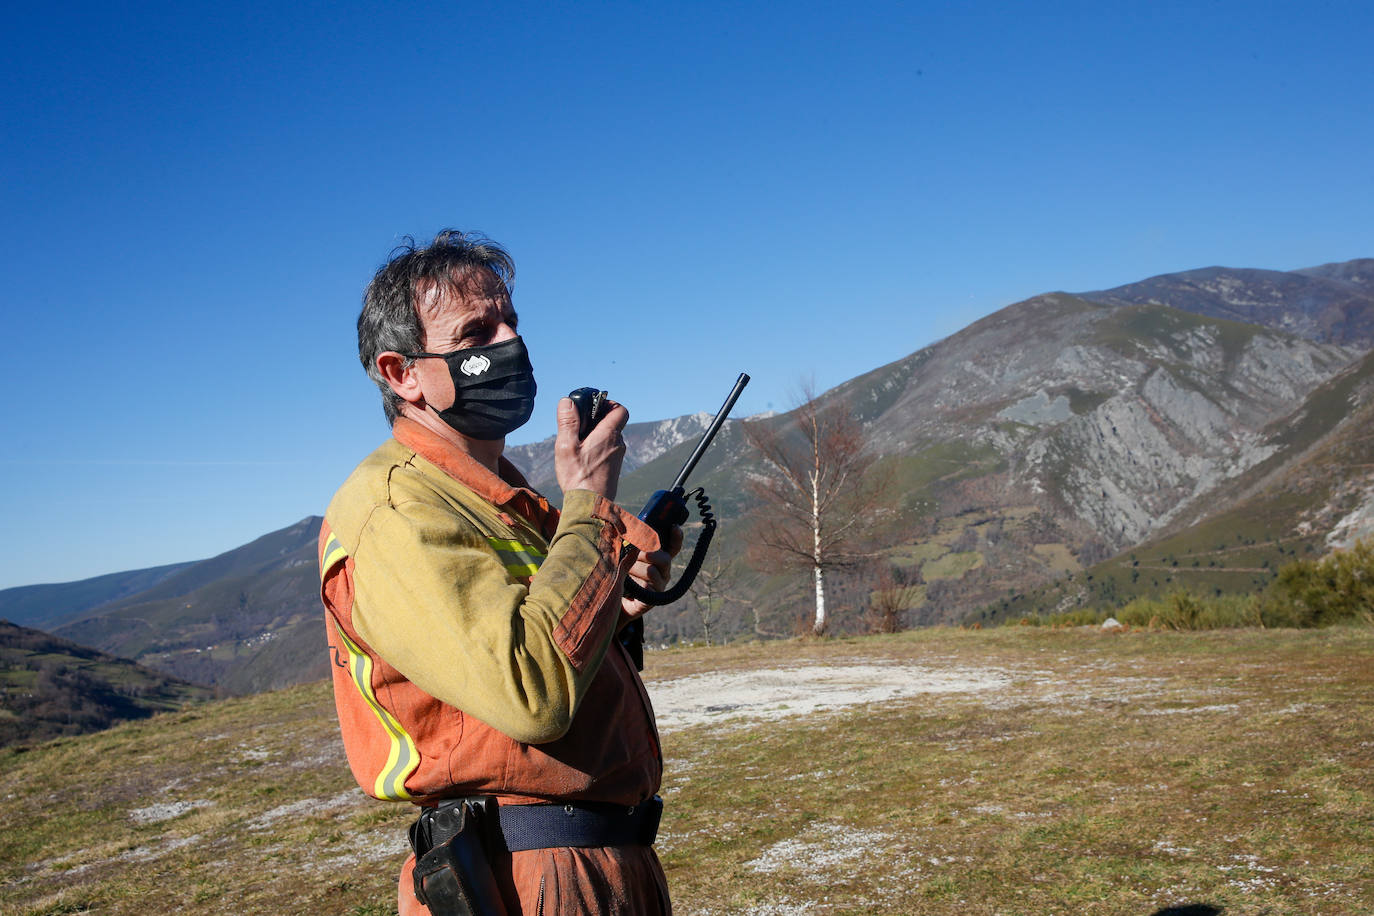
x,y
714,590
819,498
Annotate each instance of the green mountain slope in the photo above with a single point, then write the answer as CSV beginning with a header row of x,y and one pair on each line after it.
x,y
53,687
248,619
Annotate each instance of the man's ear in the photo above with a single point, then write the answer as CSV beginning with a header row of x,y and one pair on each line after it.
x,y
403,379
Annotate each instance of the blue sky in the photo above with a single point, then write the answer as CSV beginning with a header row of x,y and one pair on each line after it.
x,y
195,195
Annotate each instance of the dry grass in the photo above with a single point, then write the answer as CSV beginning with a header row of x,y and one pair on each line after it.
x,y
1116,775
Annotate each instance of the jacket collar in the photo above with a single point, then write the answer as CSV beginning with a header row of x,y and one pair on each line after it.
x,y
509,488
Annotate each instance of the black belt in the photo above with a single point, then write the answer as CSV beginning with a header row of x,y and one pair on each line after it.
x,y
521,827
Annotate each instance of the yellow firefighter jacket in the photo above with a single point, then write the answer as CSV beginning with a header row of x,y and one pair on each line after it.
x,y
471,627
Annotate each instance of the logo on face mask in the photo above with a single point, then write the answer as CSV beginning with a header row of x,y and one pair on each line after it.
x,y
475,365
484,408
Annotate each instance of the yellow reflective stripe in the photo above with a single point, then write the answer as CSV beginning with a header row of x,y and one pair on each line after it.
x,y
333,553
404,757
521,560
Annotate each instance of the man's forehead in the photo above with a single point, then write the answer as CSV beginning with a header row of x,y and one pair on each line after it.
x,y
473,288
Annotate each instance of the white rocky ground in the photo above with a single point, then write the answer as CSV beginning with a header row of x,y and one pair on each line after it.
x,y
737,697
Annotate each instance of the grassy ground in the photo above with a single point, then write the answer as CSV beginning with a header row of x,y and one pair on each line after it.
x,y
1112,774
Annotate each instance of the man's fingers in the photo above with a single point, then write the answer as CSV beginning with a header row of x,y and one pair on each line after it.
x,y
660,559
568,423
652,570
613,419
567,415
651,577
615,413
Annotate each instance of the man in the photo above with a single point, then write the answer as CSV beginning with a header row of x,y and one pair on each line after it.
x,y
472,625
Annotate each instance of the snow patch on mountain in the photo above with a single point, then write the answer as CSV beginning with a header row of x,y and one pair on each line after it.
x,y
664,435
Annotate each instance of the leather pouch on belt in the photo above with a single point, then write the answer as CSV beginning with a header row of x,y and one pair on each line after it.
x,y
453,875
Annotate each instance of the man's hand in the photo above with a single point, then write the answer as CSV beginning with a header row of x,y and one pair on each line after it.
x,y
592,463
652,570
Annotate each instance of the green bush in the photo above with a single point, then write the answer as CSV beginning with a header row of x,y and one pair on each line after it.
x,y
1339,588
1182,610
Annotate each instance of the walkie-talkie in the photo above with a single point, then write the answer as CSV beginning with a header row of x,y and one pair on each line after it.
x,y
589,403
665,509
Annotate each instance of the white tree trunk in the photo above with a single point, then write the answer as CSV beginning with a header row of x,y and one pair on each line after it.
x,y
819,626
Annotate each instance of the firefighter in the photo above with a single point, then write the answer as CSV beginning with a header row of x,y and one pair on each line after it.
x,y
472,625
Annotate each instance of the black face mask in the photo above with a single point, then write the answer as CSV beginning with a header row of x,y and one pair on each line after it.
x,y
493,388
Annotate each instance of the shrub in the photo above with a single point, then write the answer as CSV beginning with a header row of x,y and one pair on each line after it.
x,y
1182,610
1338,588
889,602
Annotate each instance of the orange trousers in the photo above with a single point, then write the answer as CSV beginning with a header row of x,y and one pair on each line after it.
x,y
568,881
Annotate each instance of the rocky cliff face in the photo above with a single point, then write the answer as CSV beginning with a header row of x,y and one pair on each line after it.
x,y
1183,415
1121,415
1313,492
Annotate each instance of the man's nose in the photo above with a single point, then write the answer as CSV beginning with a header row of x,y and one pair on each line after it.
x,y
504,333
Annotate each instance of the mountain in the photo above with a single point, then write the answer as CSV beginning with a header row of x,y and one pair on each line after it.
x,y
46,606
644,442
246,620
53,687
1333,303
1358,273
1059,431
1312,494
1026,449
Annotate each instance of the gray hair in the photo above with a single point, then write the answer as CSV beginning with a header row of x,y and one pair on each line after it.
x,y
389,319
